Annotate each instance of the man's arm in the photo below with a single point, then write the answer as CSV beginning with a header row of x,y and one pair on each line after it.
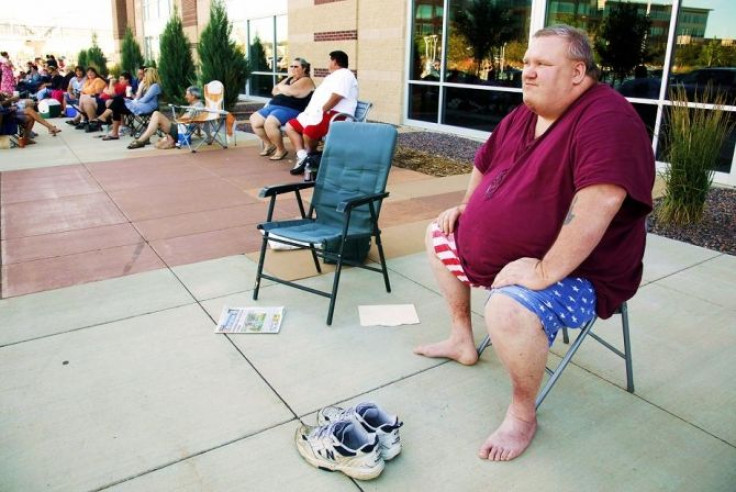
x,y
332,102
592,210
446,220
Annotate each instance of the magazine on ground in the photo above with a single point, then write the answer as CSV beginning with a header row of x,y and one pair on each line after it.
x,y
250,320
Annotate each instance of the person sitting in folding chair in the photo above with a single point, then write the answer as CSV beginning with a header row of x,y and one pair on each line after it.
x,y
159,122
552,223
146,104
338,93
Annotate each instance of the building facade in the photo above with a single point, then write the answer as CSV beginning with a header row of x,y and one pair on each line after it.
x,y
455,65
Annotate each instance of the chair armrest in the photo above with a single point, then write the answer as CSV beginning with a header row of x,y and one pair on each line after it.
x,y
347,205
341,115
267,191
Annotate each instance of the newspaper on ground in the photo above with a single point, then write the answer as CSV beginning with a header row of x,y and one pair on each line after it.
x,y
388,315
250,320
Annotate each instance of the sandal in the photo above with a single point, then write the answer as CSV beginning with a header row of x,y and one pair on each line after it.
x,y
278,157
110,137
54,130
135,144
268,151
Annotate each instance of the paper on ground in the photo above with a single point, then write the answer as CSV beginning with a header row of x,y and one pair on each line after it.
x,y
388,315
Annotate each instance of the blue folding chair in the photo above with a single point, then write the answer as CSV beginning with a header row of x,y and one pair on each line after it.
x,y
345,205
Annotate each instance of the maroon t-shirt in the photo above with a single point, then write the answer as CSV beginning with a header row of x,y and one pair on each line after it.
x,y
528,184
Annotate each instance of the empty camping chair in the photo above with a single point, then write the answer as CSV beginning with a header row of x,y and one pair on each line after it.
x,y
345,204
554,374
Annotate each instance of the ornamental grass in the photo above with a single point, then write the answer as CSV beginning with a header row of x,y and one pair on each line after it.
x,y
693,141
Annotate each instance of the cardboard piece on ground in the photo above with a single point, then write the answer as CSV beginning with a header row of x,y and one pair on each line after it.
x,y
388,315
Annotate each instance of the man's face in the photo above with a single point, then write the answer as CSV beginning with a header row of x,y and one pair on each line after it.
x,y
189,97
140,74
549,76
332,66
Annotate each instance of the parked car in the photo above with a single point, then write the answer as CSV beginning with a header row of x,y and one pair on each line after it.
x,y
723,79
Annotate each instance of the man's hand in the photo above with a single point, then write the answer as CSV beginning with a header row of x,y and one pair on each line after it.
x,y
446,220
526,272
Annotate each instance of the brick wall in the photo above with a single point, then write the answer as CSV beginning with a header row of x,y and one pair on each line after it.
x,y
320,2
335,35
189,13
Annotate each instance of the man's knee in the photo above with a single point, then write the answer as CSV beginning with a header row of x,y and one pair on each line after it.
x,y
505,315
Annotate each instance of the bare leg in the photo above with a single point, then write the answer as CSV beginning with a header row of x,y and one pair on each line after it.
x,y
115,131
257,122
273,132
520,343
89,106
294,137
310,144
459,346
158,122
34,116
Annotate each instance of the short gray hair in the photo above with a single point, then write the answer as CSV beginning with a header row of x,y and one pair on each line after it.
x,y
579,47
195,91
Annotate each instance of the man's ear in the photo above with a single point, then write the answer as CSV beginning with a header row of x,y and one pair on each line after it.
x,y
578,72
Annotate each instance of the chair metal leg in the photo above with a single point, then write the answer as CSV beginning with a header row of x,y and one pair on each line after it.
x,y
314,258
382,258
484,344
261,260
627,349
335,285
563,363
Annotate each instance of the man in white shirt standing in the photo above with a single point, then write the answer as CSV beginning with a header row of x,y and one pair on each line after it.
x,y
338,93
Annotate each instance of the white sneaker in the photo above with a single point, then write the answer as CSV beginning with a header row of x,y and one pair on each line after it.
x,y
374,420
343,446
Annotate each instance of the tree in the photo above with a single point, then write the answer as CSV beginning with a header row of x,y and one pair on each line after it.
x,y
621,42
130,56
221,59
486,25
96,58
175,64
257,60
82,59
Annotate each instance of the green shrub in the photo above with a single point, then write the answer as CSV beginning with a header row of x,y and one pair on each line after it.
x,y
82,59
96,58
693,142
130,53
175,64
221,59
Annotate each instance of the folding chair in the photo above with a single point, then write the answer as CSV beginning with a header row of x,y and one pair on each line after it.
x,y
348,193
586,330
360,116
211,118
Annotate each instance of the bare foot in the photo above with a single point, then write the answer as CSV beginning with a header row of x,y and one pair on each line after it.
x,y
510,440
462,352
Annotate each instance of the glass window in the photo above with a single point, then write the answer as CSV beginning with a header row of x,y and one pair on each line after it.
x,y
477,108
629,39
261,43
705,52
268,53
282,44
427,49
424,103
486,41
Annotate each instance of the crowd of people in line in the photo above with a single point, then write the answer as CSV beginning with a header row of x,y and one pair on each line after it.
x,y
299,108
